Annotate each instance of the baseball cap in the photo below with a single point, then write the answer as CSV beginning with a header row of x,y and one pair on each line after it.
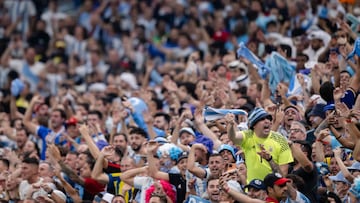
x,y
257,184
339,178
161,140
275,179
183,155
188,130
318,110
355,166
72,121
228,148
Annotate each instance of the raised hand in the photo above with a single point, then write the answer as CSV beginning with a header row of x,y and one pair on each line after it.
x,y
152,146
54,152
338,93
264,154
170,85
198,116
84,130
342,109
108,151
230,118
37,100
337,152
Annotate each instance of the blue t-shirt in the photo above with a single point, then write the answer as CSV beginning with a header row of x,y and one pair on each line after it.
x,y
43,132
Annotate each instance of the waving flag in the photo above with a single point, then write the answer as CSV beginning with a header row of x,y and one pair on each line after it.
x,y
281,70
211,114
243,51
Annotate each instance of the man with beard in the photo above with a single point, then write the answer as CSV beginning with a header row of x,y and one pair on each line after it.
x,y
53,135
259,141
120,142
162,121
137,138
21,139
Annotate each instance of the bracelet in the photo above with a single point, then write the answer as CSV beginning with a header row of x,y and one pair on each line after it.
x,y
348,120
269,159
323,142
51,191
340,136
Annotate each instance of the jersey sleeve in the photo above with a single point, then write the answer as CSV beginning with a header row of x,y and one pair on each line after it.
x,y
285,155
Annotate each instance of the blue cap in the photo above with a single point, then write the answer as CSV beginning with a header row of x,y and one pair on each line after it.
x,y
257,184
329,107
339,178
256,115
318,110
228,148
355,166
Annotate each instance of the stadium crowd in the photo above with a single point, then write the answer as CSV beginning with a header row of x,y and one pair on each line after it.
x,y
171,101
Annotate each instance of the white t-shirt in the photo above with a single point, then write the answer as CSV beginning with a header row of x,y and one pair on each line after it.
x,y
143,183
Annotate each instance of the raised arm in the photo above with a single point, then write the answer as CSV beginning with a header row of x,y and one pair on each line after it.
x,y
94,150
344,170
299,155
238,196
97,172
202,127
30,126
197,171
54,154
128,176
153,170
175,134
68,188
234,136
148,119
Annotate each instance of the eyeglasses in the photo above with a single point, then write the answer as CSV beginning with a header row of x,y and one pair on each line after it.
x,y
295,130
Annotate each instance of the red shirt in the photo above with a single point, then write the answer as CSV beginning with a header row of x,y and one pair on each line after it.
x,y
93,187
271,200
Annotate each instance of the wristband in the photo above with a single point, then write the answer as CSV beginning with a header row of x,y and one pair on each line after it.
x,y
348,120
51,191
323,142
269,159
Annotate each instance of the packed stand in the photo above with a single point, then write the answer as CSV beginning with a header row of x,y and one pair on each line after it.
x,y
166,101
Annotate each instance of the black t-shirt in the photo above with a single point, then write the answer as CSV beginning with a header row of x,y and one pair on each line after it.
x,y
180,184
310,180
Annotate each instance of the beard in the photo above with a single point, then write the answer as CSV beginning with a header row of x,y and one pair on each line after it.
x,y
136,148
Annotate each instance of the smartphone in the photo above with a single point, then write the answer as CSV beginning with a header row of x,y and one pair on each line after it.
x,y
230,167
